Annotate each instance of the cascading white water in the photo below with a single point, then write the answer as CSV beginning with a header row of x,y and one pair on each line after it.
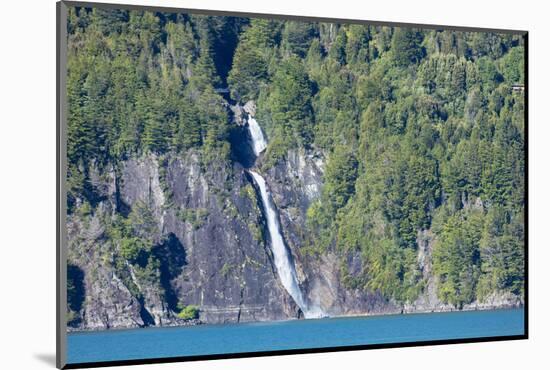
x,y
285,269
283,263
258,141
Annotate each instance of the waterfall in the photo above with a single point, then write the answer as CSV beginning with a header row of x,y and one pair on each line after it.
x,y
258,141
283,262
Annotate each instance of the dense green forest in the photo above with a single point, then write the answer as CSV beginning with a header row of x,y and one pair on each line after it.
x,y
422,131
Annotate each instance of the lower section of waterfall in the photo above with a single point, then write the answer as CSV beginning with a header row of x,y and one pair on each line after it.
x,y
283,262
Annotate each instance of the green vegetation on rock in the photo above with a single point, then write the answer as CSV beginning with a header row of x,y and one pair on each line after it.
x,y
188,312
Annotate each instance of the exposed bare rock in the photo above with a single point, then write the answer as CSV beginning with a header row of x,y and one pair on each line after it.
x,y
212,253
250,108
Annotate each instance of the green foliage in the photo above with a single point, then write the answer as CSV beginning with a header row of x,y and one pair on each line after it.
x,y
394,271
456,257
249,70
155,136
189,312
141,221
447,76
196,217
291,92
189,129
488,73
341,173
290,101
420,130
512,65
277,148
139,83
132,249
248,191
297,36
501,249
256,232
407,46
429,142
85,209
338,49
250,61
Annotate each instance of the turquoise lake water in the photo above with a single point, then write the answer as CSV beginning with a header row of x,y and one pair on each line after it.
x,y
147,343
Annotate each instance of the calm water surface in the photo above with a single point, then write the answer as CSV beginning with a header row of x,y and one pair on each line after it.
x,y
296,334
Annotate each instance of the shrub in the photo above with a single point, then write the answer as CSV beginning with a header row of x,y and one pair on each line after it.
x,y
188,312
132,248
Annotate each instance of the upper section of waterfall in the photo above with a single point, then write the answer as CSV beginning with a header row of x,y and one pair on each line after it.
x,y
258,141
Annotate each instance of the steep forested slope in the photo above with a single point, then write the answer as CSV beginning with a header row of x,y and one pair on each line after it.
x,y
395,157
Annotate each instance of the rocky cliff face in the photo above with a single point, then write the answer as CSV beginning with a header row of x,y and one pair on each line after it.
x,y
210,248
209,236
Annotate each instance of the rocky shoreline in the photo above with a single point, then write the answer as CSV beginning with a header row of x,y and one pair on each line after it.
x,y
180,324
446,309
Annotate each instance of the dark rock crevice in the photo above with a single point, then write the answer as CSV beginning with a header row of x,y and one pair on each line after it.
x,y
241,148
144,314
172,257
76,294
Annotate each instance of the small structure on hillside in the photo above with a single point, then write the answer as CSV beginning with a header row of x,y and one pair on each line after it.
x,y
518,87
